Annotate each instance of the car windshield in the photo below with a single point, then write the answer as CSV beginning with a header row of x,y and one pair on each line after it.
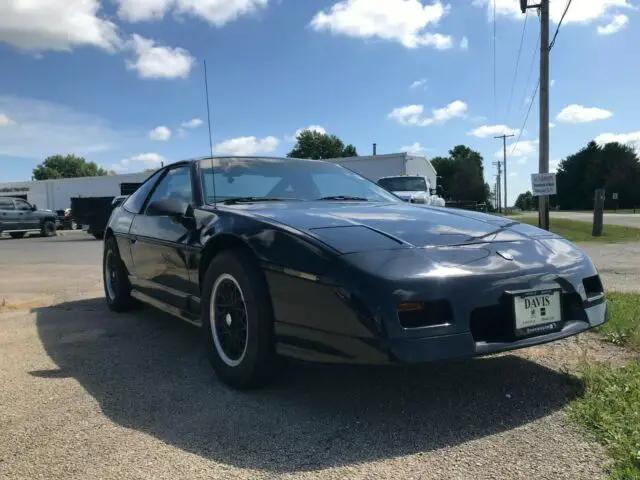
x,y
283,178
403,184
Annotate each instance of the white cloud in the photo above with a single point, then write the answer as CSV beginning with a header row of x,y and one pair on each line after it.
x,y
216,12
522,161
414,114
585,12
5,121
624,138
403,21
56,25
553,166
552,83
248,145
153,61
493,130
513,174
160,133
522,149
581,114
313,128
464,44
420,83
414,148
138,162
617,24
40,128
552,125
193,123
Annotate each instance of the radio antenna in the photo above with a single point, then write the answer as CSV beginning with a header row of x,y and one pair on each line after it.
x,y
206,89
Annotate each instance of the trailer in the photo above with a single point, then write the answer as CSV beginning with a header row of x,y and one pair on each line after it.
x,y
410,177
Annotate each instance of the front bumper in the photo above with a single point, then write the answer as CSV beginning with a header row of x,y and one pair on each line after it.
x,y
447,347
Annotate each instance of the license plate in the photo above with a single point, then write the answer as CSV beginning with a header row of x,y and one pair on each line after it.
x,y
538,312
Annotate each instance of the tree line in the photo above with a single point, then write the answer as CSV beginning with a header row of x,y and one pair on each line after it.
x,y
613,166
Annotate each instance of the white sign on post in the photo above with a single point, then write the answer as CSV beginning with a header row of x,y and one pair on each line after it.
x,y
614,196
543,184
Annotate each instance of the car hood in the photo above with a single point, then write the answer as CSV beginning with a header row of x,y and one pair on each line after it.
x,y
355,227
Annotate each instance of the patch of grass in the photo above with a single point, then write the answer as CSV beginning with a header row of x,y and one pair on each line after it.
x,y
623,328
577,231
609,409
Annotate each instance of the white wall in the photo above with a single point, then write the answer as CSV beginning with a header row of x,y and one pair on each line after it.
x,y
57,194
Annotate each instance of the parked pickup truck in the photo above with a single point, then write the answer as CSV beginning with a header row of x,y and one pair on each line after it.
x,y
18,217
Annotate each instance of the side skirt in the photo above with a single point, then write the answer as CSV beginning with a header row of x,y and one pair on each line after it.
x,y
170,309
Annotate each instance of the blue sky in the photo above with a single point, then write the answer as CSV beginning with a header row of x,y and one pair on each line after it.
x,y
121,81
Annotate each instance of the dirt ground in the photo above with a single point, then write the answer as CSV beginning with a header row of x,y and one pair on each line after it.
x,y
85,393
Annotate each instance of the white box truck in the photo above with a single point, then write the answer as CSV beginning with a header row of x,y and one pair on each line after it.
x,y
410,177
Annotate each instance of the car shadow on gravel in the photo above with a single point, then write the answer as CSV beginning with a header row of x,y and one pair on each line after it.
x,y
148,372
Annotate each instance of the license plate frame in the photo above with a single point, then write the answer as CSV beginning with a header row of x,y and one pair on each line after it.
x,y
539,321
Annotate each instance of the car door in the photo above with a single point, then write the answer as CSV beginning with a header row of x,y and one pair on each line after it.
x,y
27,218
159,244
8,215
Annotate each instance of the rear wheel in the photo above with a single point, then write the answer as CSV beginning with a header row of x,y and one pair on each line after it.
x,y
237,321
17,234
48,229
117,287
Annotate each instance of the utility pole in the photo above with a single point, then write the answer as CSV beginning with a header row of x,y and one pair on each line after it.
x,y
504,150
498,186
543,162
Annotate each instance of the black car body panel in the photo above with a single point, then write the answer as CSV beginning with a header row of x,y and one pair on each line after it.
x,y
338,271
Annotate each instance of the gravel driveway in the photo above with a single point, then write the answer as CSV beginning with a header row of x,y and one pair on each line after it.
x,y
85,393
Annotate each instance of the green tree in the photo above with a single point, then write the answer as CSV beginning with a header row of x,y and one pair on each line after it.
x,y
613,166
316,146
66,166
526,201
461,175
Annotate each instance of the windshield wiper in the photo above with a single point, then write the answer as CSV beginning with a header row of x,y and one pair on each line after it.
x,y
235,200
344,197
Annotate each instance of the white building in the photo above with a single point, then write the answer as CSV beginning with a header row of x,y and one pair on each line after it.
x,y
56,194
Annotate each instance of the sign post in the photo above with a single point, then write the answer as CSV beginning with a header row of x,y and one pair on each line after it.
x,y
598,212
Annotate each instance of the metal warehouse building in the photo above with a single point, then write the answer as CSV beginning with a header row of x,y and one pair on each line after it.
x,y
57,194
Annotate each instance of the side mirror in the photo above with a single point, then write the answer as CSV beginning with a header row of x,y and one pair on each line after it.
x,y
169,207
34,207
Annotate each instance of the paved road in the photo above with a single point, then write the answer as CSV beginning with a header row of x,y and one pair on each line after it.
x,y
624,219
85,393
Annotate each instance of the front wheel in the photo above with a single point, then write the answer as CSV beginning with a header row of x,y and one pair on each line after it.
x,y
17,234
237,321
117,287
48,229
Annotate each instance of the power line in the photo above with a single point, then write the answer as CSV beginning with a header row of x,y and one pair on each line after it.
x,y
495,88
515,73
533,61
526,118
553,41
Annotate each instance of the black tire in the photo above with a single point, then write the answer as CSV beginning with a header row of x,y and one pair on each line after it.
x,y
48,228
17,234
118,291
233,270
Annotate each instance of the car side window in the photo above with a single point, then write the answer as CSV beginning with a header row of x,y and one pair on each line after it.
x,y
22,205
6,204
135,202
175,184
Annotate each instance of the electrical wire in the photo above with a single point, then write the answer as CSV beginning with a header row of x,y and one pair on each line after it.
x,y
526,118
495,75
553,41
515,73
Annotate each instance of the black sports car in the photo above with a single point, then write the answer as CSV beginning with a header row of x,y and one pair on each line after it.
x,y
306,259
